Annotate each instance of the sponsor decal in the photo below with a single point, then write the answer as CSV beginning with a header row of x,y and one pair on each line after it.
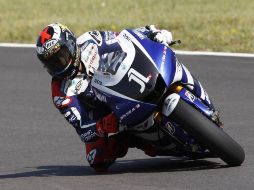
x,y
100,97
60,101
78,86
97,82
90,57
92,60
50,43
96,36
73,116
87,136
170,103
91,156
88,51
170,127
190,96
139,34
51,48
164,56
126,37
137,106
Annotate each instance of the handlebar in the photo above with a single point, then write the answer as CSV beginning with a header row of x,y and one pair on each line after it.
x,y
174,42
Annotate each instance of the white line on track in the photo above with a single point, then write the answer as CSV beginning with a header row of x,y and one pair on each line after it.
x,y
16,45
224,54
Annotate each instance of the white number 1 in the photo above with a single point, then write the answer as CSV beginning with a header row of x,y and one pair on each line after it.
x,y
138,78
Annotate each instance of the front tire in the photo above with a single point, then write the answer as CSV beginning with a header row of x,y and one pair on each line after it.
x,y
208,134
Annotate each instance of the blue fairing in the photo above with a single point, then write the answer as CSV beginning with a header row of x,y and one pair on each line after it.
x,y
165,61
192,100
129,112
163,57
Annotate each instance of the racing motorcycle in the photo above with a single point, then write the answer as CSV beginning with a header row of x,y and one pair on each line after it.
x,y
140,89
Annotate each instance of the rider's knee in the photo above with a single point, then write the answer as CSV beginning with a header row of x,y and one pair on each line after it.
x,y
103,152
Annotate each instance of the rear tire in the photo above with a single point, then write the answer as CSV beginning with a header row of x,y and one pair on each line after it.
x,y
208,134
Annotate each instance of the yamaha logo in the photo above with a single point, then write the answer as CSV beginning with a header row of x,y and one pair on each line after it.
x,y
78,86
170,127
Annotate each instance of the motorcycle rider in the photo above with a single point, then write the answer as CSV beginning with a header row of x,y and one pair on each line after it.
x,y
71,62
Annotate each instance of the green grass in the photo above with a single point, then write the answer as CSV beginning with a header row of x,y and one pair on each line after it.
x,y
210,25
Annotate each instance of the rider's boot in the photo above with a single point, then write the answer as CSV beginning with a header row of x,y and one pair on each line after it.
x,y
103,152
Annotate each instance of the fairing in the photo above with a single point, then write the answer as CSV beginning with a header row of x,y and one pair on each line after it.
x,y
163,57
140,80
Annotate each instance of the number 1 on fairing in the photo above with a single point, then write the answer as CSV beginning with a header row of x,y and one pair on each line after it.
x,y
138,78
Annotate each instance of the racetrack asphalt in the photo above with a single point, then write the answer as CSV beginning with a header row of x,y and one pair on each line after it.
x,y
39,150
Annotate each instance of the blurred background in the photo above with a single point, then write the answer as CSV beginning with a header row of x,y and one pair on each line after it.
x,y
208,25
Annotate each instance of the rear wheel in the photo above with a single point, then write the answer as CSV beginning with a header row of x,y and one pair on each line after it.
x,y
208,134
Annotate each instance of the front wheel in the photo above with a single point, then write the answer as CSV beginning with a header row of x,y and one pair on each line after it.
x,y
208,134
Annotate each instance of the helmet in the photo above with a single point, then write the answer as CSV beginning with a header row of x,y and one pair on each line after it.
x,y
58,51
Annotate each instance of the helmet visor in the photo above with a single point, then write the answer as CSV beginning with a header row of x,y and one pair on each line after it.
x,y
59,62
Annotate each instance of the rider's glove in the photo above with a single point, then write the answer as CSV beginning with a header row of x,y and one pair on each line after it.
x,y
162,36
108,124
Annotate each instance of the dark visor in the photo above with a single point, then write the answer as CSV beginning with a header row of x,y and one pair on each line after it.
x,y
59,62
